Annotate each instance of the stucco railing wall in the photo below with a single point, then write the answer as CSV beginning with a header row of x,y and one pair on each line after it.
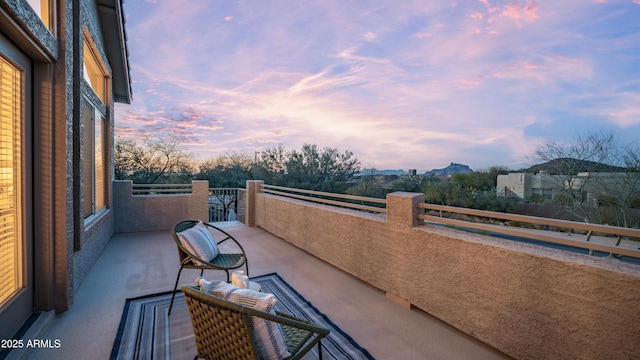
x,y
157,212
527,301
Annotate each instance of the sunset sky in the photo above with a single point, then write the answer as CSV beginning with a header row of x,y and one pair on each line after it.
x,y
401,84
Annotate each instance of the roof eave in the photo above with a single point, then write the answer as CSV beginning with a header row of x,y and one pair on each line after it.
x,y
112,21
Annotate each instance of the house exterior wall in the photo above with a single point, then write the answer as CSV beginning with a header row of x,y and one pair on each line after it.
x,y
89,236
65,245
529,302
514,184
621,185
523,185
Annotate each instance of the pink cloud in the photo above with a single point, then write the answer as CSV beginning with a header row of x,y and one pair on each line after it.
x,y
468,83
186,125
136,119
530,12
531,66
424,34
520,70
477,16
486,2
228,18
545,70
261,140
472,82
567,59
518,11
209,127
512,11
370,36
189,113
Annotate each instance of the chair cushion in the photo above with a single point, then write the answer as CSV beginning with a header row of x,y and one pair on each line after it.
x,y
270,341
199,241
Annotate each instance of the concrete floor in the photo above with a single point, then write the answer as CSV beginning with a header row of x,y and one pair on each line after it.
x,y
135,264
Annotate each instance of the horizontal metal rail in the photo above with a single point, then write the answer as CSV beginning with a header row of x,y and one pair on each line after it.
x,y
548,236
297,194
161,189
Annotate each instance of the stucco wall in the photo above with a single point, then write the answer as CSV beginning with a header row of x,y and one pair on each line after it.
x,y
64,245
97,234
157,212
528,301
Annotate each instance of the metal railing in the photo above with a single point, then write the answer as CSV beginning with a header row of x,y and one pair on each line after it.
x,y
604,231
161,189
609,239
226,204
346,201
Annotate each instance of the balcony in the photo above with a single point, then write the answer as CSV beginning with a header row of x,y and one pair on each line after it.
x,y
135,264
400,284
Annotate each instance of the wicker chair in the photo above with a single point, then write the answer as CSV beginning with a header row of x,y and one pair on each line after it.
x,y
222,329
224,261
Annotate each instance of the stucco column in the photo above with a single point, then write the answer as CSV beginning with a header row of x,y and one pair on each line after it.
x,y
121,203
403,210
199,207
253,188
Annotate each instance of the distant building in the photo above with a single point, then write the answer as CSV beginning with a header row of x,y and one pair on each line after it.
x,y
413,172
523,185
546,186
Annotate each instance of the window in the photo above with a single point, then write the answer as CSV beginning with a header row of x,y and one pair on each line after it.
x,y
93,73
93,161
44,9
94,148
544,193
11,104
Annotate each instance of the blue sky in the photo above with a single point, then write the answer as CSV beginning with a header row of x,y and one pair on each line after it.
x,y
401,84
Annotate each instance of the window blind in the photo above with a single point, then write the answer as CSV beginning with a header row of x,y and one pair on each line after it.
x,y
88,170
11,97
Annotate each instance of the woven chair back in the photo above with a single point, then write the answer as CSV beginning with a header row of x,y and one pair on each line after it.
x,y
221,332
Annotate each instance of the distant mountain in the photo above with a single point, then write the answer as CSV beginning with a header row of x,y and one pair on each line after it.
x,y
453,168
561,165
365,172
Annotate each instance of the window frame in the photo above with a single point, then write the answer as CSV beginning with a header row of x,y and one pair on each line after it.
x,y
96,101
46,11
91,155
94,71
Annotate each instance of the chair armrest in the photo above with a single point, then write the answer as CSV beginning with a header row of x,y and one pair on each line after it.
x,y
290,320
279,317
312,328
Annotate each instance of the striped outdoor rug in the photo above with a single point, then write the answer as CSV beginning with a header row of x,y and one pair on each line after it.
x,y
146,332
